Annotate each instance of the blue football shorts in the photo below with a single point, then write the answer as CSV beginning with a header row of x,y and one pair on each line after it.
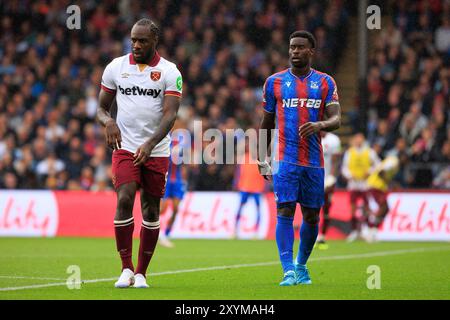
x,y
246,195
293,183
175,189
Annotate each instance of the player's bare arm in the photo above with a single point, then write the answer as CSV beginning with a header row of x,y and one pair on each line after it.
x,y
112,132
170,109
267,124
333,122
335,168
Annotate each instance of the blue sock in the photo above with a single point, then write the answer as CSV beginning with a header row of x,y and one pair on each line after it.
x,y
167,232
238,217
308,236
258,212
258,218
284,235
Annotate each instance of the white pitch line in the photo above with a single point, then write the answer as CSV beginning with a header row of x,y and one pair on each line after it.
x,y
380,254
31,278
259,264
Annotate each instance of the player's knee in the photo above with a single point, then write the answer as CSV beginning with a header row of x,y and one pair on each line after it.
x,y
175,207
150,216
311,219
311,216
121,215
125,204
287,211
151,213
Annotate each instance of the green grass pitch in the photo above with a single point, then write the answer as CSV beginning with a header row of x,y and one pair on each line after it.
x,y
36,268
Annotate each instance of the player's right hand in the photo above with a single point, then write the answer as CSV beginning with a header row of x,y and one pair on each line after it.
x,y
113,135
265,170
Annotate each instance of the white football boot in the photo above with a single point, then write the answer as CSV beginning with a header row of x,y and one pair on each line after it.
x,y
165,242
354,235
126,279
140,281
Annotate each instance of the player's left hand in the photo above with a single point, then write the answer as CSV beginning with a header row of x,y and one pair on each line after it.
x,y
142,154
309,128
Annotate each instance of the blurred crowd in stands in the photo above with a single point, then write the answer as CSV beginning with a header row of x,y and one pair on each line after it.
x,y
409,91
50,76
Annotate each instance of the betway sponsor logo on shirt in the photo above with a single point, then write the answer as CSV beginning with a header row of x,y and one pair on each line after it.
x,y
307,103
140,91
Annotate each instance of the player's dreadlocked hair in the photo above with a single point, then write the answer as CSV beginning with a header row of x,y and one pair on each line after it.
x,y
149,23
304,34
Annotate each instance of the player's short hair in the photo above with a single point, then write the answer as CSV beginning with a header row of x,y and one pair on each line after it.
x,y
304,34
150,24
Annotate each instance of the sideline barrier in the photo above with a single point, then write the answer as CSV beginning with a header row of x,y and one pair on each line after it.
x,y
415,216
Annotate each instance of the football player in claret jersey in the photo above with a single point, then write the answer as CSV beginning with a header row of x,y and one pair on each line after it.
x,y
378,183
147,89
300,102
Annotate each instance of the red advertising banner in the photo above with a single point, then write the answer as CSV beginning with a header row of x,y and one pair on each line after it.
x,y
28,213
415,216
90,214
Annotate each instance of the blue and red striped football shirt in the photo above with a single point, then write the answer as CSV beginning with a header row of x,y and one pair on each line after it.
x,y
178,143
295,101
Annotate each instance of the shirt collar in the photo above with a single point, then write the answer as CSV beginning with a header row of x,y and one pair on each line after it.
x,y
304,77
153,62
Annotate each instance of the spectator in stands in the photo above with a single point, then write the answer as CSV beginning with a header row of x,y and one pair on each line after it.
x,y
442,181
409,87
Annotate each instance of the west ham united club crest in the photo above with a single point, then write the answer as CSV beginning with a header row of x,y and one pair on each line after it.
x,y
155,75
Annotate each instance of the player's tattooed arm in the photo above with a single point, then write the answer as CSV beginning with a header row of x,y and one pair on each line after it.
x,y
112,131
266,127
332,122
170,109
